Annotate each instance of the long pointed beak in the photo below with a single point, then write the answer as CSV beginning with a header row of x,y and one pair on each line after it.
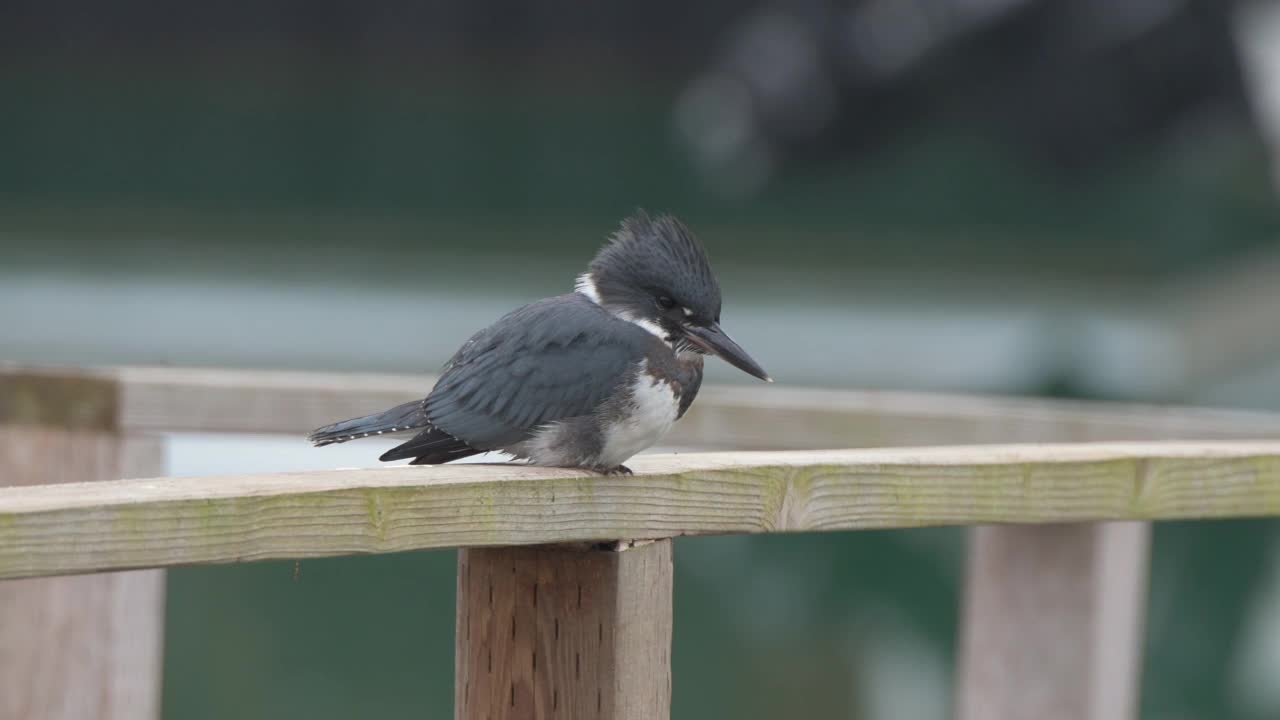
x,y
715,341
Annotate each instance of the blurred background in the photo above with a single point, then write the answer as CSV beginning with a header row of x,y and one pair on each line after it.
x,y
1072,198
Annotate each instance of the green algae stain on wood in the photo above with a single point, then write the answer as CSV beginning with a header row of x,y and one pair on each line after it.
x,y
377,520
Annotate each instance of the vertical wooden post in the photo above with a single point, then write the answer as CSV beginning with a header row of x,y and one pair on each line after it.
x,y
553,632
1053,622
90,645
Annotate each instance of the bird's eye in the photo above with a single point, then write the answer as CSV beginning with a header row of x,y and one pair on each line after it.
x,y
665,302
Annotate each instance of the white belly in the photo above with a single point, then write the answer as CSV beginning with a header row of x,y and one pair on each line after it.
x,y
652,413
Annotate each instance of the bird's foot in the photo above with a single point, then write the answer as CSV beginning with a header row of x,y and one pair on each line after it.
x,y
617,470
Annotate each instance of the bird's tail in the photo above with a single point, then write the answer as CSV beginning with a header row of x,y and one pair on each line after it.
x,y
408,416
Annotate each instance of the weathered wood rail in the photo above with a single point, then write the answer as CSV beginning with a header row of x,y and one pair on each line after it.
x,y
555,617
128,524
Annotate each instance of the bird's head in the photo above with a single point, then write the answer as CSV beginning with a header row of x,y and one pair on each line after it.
x,y
654,272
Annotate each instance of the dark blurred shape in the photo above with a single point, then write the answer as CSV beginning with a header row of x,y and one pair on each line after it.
x,y
1073,83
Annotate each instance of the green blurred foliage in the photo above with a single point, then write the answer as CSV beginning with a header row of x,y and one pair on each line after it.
x,y
764,625
314,158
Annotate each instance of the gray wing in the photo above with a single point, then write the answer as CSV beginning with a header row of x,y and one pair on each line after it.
x,y
554,359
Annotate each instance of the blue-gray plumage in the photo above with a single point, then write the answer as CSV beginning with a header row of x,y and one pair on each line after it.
x,y
586,379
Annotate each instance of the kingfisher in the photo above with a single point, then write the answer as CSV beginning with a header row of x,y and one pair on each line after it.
x,y
581,380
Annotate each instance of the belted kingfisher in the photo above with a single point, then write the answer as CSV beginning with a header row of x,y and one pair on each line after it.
x,y
585,379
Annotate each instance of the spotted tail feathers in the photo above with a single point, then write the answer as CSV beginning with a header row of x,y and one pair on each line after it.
x,y
428,447
398,419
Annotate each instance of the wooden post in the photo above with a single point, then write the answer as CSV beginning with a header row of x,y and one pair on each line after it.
x,y
1053,622
555,632
89,645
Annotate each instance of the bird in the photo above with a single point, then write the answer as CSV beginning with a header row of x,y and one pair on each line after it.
x,y
586,379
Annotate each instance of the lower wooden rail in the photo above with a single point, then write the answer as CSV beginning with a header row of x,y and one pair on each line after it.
x,y
555,619
126,524
1053,608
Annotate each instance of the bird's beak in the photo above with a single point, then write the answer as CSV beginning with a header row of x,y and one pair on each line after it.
x,y
712,339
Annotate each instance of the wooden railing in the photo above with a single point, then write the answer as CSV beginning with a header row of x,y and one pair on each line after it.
x,y
565,577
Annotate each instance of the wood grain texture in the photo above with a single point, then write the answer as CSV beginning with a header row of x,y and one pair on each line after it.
x,y
737,417
554,633
1053,622
172,521
79,647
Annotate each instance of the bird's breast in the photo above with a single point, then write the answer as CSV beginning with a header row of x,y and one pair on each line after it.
x,y
642,418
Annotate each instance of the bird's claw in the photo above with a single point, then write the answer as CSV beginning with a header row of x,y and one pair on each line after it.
x,y
619,470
